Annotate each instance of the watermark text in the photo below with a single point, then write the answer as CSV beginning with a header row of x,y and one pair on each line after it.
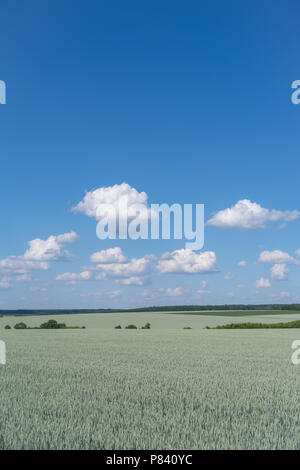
x,y
2,92
159,221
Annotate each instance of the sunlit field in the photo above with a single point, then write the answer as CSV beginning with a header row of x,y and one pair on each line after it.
x,y
163,388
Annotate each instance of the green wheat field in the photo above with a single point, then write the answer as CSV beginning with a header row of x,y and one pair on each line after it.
x,y
163,388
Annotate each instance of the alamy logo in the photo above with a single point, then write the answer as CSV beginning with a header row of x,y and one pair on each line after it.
x,y
296,94
2,353
296,354
2,92
159,221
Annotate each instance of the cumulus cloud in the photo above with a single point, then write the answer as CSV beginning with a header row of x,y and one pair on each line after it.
x,y
242,264
173,292
18,265
72,278
228,276
114,294
23,278
132,268
111,255
4,284
262,282
38,289
187,261
248,215
117,196
40,255
111,294
276,257
203,292
282,295
279,272
112,263
50,249
132,281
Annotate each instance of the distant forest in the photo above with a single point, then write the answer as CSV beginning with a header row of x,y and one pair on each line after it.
x,y
172,308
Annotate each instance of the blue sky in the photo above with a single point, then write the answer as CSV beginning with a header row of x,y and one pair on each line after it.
x,y
189,103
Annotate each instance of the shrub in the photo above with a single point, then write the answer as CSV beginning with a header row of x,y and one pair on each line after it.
x,y
187,327
53,325
251,325
7,327
131,327
20,326
147,326
118,327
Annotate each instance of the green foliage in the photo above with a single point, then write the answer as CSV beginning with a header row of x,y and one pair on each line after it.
x,y
7,327
147,326
187,327
292,307
168,309
20,326
53,324
118,327
251,325
131,327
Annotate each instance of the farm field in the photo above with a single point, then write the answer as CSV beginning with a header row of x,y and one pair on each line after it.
x,y
165,388
176,320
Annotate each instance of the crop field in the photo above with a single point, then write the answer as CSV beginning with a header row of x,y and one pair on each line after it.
x,y
163,388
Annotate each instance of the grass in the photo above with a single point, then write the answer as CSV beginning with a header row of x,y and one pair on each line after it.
x,y
166,388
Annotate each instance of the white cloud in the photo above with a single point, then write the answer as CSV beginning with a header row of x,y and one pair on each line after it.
x,y
67,238
173,292
23,278
111,255
282,295
85,275
114,294
132,281
38,289
72,278
50,249
111,294
40,255
133,267
242,264
247,215
279,272
204,284
118,196
298,252
203,292
4,285
262,282
147,294
187,261
228,276
18,265
276,257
